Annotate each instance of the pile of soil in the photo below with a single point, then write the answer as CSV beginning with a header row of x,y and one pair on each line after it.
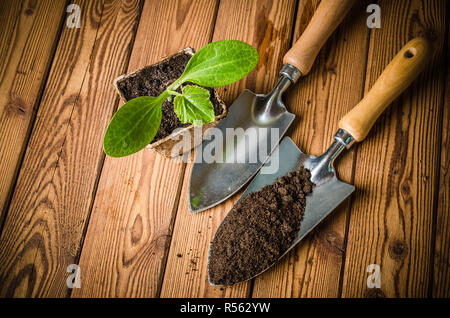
x,y
259,229
152,81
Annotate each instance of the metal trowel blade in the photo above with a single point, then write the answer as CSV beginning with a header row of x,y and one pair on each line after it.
x,y
328,193
212,183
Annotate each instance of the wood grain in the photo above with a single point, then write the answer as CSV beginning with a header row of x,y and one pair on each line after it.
x,y
333,87
186,272
397,165
131,221
28,37
267,25
327,17
51,203
133,229
441,269
401,71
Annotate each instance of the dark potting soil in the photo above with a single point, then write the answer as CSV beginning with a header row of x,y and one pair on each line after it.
x,y
259,229
152,81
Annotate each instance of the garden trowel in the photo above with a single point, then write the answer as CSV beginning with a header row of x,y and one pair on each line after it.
x,y
256,123
329,191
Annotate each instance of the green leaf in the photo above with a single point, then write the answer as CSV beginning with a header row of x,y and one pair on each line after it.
x,y
220,63
136,123
133,126
194,105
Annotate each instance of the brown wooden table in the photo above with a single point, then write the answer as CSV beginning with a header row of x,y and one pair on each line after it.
x,y
125,221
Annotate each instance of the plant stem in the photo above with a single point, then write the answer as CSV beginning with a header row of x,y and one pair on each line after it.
x,y
176,84
164,95
173,92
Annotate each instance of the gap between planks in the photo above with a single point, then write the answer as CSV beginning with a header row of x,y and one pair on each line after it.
x,y
102,160
238,20
35,107
333,87
154,186
440,284
348,212
181,185
57,238
392,226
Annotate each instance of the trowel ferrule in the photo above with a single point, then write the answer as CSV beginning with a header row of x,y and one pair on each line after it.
x,y
291,72
323,165
342,140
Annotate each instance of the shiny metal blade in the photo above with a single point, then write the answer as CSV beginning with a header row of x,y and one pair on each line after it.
x,y
212,183
328,193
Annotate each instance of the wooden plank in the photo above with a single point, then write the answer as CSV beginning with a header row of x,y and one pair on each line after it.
x,y
441,270
333,87
397,165
27,43
137,196
51,203
267,25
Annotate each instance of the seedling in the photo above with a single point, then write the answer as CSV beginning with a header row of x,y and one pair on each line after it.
x,y
217,64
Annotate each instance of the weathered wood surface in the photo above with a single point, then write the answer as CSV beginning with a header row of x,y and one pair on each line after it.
x,y
50,207
319,100
396,171
130,228
267,26
28,39
125,221
441,270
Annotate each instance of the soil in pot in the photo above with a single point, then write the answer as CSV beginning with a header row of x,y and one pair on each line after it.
x,y
153,80
259,229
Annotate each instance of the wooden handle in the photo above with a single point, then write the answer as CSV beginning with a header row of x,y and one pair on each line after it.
x,y
396,77
327,17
